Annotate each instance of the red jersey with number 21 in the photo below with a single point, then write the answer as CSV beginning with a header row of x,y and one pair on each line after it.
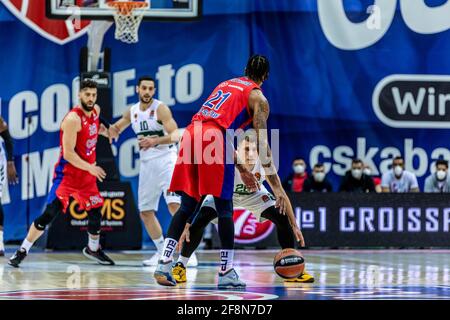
x,y
227,106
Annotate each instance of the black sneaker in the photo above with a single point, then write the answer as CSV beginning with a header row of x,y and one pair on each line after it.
x,y
17,258
98,256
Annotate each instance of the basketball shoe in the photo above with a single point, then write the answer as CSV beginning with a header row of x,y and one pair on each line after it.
x,y
17,258
305,277
179,272
230,280
99,256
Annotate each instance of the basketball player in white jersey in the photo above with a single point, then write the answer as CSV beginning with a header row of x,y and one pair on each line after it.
x,y
157,134
7,169
261,203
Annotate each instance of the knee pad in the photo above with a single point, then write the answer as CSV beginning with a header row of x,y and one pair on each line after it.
x,y
50,213
94,221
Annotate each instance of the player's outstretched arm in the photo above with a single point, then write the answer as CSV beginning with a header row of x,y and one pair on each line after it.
x,y
276,186
120,125
70,127
260,107
103,130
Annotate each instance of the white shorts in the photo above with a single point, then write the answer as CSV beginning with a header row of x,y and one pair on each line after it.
x,y
3,172
256,203
154,178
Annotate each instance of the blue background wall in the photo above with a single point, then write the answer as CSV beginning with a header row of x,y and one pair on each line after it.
x,y
320,95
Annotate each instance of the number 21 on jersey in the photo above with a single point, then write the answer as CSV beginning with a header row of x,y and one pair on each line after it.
x,y
217,100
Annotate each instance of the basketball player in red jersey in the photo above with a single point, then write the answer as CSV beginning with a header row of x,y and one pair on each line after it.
x,y
75,176
234,104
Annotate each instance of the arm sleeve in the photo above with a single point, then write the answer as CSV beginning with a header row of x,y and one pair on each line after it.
x,y
8,145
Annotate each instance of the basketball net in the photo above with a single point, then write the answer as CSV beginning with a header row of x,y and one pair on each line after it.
x,y
128,17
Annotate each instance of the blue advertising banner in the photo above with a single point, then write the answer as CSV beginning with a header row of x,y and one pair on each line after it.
x,y
360,78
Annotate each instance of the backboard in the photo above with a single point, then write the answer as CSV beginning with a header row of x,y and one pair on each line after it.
x,y
99,10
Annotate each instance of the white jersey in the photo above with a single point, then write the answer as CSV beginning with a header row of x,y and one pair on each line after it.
x,y
239,186
256,202
145,123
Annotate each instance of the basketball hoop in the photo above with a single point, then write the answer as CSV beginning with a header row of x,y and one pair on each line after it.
x,y
128,19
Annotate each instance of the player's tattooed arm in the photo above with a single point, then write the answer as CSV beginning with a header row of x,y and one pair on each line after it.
x,y
260,108
70,127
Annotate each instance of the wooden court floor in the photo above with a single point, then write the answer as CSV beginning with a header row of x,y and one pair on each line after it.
x,y
339,274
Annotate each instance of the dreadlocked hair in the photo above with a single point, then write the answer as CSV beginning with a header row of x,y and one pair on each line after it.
x,y
257,68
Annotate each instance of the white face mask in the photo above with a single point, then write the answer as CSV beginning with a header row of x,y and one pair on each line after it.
x,y
299,168
357,173
319,176
441,174
398,170
367,172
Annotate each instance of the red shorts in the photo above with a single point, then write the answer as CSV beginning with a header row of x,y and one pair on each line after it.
x,y
70,182
202,166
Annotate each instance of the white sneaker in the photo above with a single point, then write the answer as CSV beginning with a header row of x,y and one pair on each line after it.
x,y
153,261
193,262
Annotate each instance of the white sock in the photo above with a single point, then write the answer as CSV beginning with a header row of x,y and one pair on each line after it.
x,y
2,247
183,260
169,249
226,260
26,245
93,244
159,243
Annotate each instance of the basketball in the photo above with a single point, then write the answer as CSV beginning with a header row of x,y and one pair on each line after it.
x,y
289,263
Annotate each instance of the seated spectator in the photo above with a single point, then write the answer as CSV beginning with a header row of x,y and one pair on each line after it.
x,y
317,182
294,182
398,180
376,180
355,180
438,182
